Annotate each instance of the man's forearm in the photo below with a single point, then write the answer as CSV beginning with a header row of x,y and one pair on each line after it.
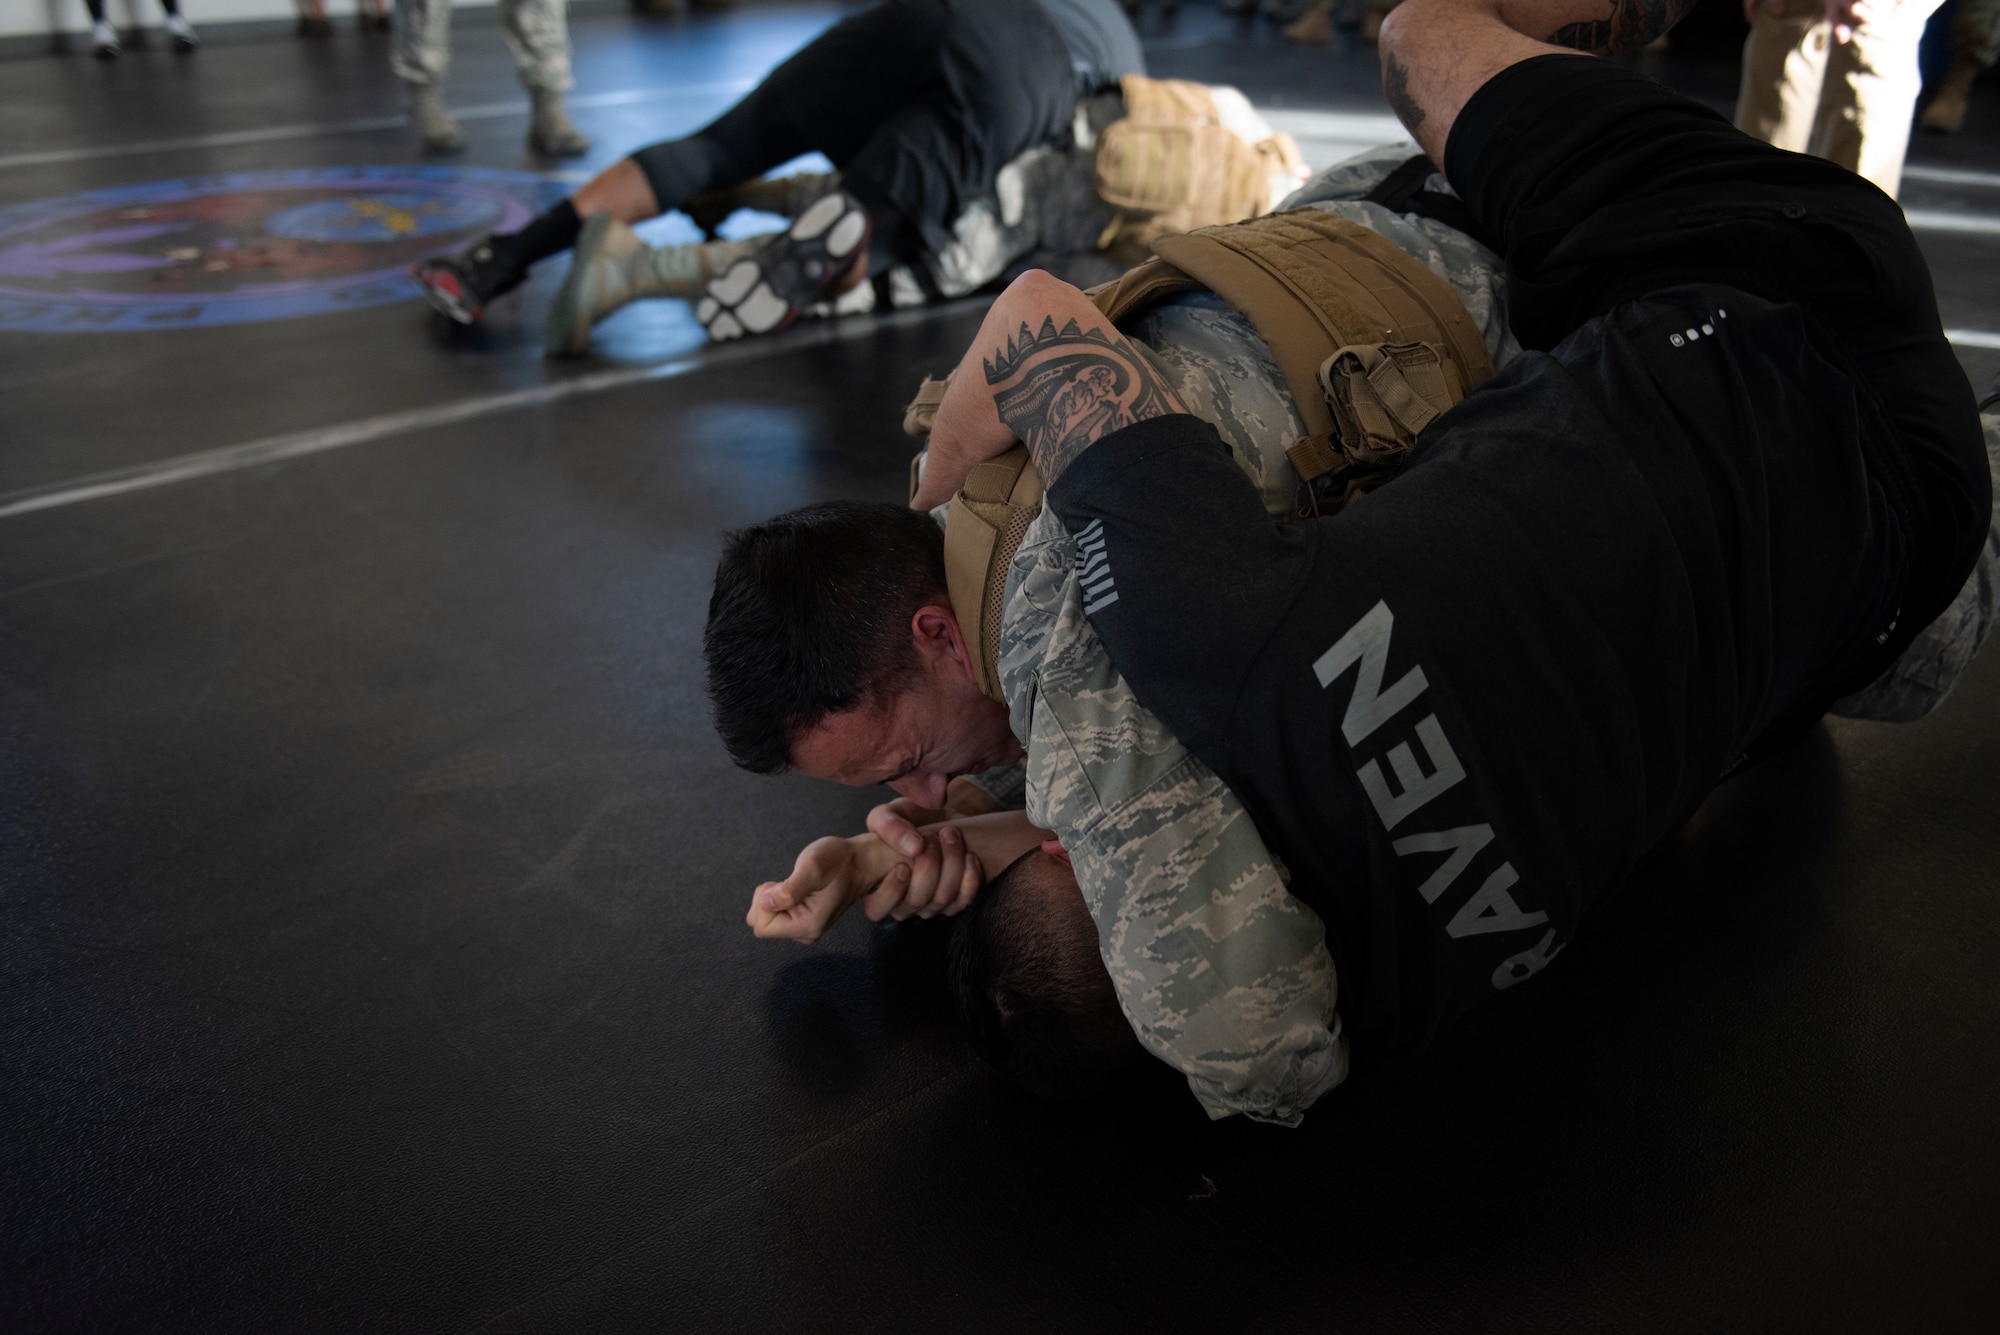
x,y
1046,369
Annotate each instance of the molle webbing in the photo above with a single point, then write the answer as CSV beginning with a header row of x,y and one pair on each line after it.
x,y
989,517
1372,344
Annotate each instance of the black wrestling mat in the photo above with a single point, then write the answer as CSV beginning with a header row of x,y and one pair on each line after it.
x,y
371,884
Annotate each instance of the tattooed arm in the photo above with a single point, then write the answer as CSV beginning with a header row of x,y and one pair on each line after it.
x,y
1437,53
1046,369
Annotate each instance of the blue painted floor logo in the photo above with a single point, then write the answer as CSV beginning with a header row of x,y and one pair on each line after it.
x,y
245,246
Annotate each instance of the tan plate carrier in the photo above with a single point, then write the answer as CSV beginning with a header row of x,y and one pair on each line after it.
x,y
1373,346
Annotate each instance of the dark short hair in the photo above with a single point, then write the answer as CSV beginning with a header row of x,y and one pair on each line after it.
x,y
810,617
1032,992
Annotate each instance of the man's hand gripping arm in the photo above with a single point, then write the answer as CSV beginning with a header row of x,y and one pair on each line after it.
x,y
832,874
1046,369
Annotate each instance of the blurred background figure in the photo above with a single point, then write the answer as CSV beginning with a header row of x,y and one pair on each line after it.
x,y
313,20
1315,23
537,32
1835,78
666,8
104,37
1975,45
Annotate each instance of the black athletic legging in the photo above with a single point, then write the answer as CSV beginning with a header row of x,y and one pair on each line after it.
x,y
919,103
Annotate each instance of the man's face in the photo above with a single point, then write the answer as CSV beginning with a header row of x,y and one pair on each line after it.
x,y
919,738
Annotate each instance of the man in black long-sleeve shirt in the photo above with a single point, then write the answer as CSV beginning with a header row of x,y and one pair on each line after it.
x,y
1737,471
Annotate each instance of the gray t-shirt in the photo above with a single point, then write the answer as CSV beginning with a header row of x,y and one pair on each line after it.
x,y
1102,44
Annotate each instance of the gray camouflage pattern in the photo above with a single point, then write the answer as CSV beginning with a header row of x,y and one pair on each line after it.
x,y
537,32
1223,974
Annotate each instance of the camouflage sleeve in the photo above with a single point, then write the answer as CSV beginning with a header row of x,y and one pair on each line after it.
x,y
1222,973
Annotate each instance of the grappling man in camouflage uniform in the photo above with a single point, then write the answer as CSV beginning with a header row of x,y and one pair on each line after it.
x,y
1460,710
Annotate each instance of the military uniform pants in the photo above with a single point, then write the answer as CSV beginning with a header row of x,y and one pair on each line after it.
x,y
537,32
1975,31
1849,104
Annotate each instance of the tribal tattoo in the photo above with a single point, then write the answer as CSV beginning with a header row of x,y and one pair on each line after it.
x,y
1630,25
1059,390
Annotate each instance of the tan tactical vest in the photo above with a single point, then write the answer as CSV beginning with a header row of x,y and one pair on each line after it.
x,y
1372,345
1170,165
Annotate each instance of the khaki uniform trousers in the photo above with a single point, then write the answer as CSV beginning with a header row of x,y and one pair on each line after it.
x,y
1848,104
537,32
1975,31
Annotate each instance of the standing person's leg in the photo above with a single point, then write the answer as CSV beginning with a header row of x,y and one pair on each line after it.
x,y
1784,69
420,58
537,32
103,37
178,28
1872,86
1975,46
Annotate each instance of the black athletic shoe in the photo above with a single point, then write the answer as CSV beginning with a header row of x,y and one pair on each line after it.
x,y
461,285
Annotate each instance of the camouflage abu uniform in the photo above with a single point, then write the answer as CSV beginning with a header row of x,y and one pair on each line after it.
x,y
537,32
1223,974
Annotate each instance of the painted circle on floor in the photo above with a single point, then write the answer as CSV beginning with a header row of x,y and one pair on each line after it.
x,y
245,246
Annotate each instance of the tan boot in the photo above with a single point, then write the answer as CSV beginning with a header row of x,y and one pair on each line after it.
x,y
786,196
1314,27
433,123
611,268
549,130
1946,113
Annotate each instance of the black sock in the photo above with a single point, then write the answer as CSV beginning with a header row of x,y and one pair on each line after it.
x,y
540,238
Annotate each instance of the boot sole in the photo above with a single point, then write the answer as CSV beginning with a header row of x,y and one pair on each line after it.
x,y
447,296
765,294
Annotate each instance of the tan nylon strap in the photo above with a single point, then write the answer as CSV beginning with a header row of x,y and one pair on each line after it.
x,y
1138,288
922,410
1314,456
989,517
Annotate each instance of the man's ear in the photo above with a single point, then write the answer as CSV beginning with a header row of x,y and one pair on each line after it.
x,y
934,627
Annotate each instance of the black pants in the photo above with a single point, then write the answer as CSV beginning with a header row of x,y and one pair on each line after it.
x,y
919,103
1598,186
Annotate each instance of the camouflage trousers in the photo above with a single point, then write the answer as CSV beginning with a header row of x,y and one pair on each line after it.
x,y
537,32
1975,30
1849,104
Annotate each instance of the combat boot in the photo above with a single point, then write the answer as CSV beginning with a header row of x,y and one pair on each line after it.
x,y
1313,27
549,132
1946,113
786,196
611,267
433,123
